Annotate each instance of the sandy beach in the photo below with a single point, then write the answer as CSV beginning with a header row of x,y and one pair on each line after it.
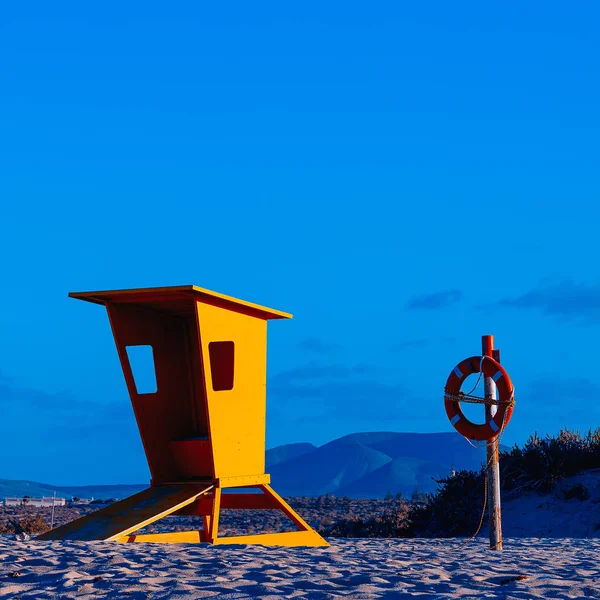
x,y
426,568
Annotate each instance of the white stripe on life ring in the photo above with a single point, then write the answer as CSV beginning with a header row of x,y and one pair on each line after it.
x,y
458,372
493,425
497,375
455,419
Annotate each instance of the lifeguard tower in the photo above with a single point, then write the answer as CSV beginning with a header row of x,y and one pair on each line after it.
x,y
203,422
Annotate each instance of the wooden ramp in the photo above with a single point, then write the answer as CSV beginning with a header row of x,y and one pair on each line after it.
x,y
128,515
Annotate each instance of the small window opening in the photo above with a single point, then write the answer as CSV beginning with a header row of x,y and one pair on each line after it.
x,y
141,361
221,365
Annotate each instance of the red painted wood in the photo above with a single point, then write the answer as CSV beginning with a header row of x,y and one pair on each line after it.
x,y
177,411
203,506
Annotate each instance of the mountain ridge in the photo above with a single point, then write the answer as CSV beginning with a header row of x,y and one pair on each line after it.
x,y
359,465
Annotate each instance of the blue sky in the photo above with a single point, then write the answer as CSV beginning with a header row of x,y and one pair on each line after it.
x,y
402,178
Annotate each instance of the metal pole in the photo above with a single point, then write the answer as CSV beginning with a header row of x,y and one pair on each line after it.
x,y
53,500
493,465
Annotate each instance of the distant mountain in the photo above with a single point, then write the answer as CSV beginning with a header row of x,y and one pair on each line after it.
x,y
368,465
10,487
102,491
325,469
15,488
359,465
280,454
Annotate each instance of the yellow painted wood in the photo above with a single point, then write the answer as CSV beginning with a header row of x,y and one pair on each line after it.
x,y
162,514
175,537
213,532
230,422
288,538
119,521
103,296
129,515
236,417
243,481
287,509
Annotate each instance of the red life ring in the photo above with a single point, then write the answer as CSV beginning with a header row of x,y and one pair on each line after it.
x,y
493,369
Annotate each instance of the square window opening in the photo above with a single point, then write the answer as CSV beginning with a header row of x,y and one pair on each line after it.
x,y
221,355
141,361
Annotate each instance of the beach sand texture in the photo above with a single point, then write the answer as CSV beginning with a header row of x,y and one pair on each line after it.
x,y
375,568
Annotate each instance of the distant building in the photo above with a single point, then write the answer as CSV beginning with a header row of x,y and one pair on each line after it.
x,y
37,502
12,501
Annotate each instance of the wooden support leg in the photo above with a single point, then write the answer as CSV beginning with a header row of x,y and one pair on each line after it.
x,y
305,537
206,524
213,520
286,508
